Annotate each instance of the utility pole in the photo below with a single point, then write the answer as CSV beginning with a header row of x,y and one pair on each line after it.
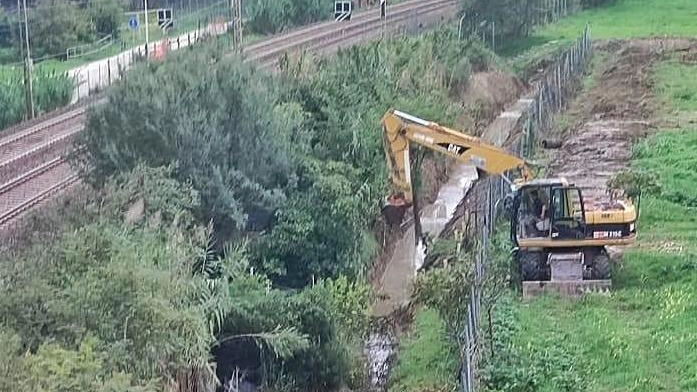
x,y
28,67
236,11
147,38
383,16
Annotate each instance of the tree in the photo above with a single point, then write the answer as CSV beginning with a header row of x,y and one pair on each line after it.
x,y
106,16
224,135
55,25
319,232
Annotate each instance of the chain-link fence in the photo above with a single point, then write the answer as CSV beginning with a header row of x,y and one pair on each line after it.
x,y
486,198
497,22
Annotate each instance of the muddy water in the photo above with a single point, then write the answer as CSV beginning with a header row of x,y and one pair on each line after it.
x,y
397,279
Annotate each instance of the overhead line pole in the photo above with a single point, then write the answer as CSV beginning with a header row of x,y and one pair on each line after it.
x,y
28,67
236,11
147,38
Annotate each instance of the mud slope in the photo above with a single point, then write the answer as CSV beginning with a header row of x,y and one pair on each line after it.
x,y
608,118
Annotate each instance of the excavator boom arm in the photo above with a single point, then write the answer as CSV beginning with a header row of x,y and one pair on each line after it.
x,y
399,129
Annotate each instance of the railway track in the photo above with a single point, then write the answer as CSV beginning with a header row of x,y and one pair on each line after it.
x,y
33,158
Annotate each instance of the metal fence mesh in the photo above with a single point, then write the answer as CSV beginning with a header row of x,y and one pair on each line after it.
x,y
550,96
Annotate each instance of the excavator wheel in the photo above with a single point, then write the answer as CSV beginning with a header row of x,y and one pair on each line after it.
x,y
530,265
601,266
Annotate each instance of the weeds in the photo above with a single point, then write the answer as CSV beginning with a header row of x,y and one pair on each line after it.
x,y
427,360
51,90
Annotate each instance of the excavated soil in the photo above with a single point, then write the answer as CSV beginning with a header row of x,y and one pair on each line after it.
x,y
608,119
484,97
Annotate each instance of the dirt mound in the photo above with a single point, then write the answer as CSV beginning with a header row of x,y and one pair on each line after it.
x,y
618,109
622,90
595,153
485,96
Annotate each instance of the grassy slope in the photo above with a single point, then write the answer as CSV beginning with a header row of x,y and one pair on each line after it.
x,y
621,19
427,360
642,337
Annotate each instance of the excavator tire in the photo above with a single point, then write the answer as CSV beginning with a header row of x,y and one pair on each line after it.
x,y
530,265
601,266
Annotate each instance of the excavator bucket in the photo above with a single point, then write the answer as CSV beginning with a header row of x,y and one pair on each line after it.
x,y
567,279
394,209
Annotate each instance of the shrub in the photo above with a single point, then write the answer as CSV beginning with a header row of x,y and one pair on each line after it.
x,y
51,90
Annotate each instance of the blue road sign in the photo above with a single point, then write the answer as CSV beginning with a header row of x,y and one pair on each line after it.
x,y
133,22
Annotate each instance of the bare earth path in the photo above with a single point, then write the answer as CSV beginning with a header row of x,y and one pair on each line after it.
x,y
614,113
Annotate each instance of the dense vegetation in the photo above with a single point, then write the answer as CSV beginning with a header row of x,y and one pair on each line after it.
x,y
235,210
298,158
56,25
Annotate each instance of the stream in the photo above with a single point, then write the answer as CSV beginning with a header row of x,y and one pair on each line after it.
x,y
397,279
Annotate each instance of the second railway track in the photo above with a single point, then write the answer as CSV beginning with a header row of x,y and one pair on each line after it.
x,y
33,164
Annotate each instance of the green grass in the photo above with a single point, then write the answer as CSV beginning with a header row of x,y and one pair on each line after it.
x,y
642,337
427,360
622,19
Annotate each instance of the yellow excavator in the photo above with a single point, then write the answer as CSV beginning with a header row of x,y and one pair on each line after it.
x,y
559,242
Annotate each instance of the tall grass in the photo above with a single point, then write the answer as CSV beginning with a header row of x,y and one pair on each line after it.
x,y
427,360
51,90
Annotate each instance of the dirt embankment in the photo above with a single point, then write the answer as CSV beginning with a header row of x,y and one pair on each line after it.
x,y
485,97
607,119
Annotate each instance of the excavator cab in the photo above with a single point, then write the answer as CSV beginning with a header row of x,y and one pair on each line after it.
x,y
548,210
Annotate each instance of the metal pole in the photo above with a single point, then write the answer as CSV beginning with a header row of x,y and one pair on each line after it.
x,y
21,49
459,29
232,21
28,65
239,25
147,37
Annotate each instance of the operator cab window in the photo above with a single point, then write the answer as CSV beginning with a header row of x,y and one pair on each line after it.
x,y
568,214
533,213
